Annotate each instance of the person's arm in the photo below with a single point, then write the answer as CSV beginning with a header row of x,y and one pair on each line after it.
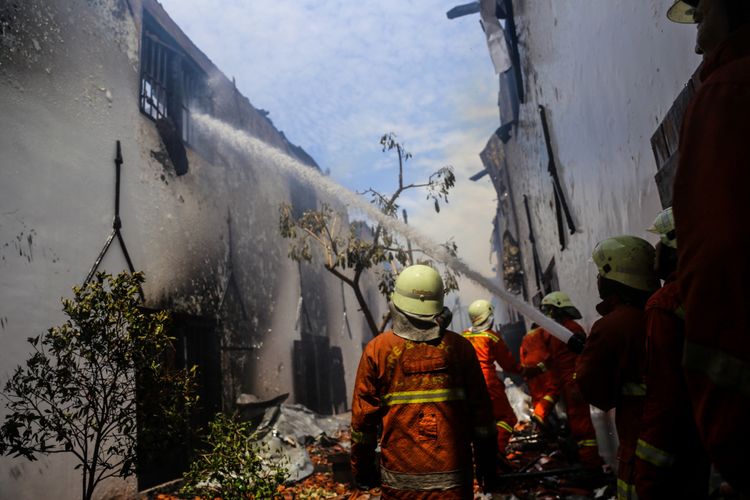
x,y
503,356
598,368
365,421
539,357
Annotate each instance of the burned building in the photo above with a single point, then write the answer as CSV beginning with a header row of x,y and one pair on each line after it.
x,y
82,79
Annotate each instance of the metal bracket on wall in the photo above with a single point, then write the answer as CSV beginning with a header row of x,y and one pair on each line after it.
x,y
560,201
532,240
116,226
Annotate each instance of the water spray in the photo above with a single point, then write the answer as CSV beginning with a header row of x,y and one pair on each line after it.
x,y
244,143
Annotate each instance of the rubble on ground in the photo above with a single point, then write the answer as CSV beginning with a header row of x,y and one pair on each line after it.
x,y
316,449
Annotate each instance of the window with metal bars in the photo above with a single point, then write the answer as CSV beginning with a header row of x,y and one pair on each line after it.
x,y
154,62
171,82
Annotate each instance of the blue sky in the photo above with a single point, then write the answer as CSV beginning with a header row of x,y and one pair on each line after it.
x,y
336,75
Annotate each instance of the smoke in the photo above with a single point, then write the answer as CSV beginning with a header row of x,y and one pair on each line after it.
x,y
254,148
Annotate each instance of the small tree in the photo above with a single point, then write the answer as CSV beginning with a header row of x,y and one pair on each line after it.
x,y
232,467
76,394
349,253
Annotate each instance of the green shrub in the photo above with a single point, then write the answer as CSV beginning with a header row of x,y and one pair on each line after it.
x,y
233,468
76,394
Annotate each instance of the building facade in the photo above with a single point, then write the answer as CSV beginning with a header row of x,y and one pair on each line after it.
x,y
200,220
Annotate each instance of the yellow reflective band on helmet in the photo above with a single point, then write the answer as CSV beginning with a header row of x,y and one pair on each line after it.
x,y
415,397
504,425
587,442
633,389
626,491
549,398
542,366
653,455
486,334
720,367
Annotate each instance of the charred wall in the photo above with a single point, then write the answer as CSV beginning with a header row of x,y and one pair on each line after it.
x,y
207,239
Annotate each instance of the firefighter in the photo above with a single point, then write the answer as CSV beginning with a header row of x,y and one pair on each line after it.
x,y
711,207
558,306
609,371
544,387
421,386
491,348
670,460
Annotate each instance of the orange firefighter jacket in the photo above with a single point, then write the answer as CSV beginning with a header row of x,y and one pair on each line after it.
x,y
490,347
609,373
536,350
564,358
579,414
670,459
430,401
711,207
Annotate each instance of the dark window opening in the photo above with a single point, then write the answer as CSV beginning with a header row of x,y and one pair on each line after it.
x,y
196,343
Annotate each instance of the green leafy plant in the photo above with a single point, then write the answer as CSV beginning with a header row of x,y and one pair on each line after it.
x,y
349,252
76,393
232,467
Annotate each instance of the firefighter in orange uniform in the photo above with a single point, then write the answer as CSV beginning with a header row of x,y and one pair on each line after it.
x,y
670,459
421,387
544,387
711,207
491,348
560,361
610,370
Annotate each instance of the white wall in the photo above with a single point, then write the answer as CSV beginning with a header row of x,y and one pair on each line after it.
x,y
607,72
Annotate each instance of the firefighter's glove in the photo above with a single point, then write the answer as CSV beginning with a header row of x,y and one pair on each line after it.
x,y
576,342
486,468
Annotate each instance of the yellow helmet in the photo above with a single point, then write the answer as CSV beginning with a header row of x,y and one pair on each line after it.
x,y
418,291
683,11
628,260
561,301
664,226
480,312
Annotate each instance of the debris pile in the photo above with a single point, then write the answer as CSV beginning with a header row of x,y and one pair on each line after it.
x,y
315,449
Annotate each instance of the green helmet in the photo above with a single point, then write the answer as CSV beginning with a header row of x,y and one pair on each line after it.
x,y
664,226
480,312
561,301
418,291
683,11
628,260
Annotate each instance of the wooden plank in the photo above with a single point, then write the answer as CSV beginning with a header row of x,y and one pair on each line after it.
x,y
659,147
665,180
